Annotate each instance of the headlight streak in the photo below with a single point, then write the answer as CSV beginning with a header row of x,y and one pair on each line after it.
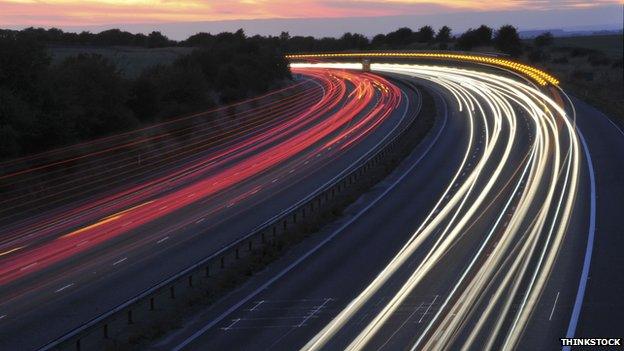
x,y
539,206
539,76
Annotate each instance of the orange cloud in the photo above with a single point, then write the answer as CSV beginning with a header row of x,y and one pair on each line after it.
x,y
102,12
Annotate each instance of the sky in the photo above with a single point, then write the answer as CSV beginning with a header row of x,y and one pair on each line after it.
x,y
180,18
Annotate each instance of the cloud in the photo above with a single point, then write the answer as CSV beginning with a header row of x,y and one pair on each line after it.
x,y
63,13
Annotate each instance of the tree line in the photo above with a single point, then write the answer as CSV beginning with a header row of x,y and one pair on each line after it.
x,y
45,105
505,39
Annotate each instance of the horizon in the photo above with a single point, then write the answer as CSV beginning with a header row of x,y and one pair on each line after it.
x,y
553,15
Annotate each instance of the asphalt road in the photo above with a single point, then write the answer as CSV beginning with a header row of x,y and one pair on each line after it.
x,y
38,306
434,258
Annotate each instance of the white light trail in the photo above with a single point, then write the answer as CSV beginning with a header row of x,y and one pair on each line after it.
x,y
535,181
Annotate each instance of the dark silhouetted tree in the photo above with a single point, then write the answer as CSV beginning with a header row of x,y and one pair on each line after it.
x,y
425,34
91,96
444,35
508,41
400,37
484,35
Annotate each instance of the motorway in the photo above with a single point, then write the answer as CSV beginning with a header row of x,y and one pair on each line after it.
x,y
87,227
481,239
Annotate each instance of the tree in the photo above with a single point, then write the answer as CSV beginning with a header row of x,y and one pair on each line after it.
x,y
23,61
353,41
544,39
378,41
467,40
425,34
484,35
444,35
157,40
508,41
400,37
91,95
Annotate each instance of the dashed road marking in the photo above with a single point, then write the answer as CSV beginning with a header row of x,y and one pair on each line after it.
x,y
554,305
234,321
257,305
427,311
119,261
313,312
161,240
63,288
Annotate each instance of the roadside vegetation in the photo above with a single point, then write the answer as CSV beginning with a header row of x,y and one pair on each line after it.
x,y
58,88
589,68
46,103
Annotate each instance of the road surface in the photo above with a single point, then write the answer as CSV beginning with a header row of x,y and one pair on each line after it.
x,y
481,239
86,228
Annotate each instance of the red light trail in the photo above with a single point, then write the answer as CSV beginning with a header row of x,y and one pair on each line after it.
x,y
327,116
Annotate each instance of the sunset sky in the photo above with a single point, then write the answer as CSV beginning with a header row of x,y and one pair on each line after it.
x,y
101,13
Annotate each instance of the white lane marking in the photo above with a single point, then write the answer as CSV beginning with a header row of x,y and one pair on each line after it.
x,y
63,288
402,325
82,243
4,315
274,180
161,240
190,195
292,170
554,305
119,261
427,310
313,250
29,266
314,312
200,220
256,306
162,208
580,293
234,321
